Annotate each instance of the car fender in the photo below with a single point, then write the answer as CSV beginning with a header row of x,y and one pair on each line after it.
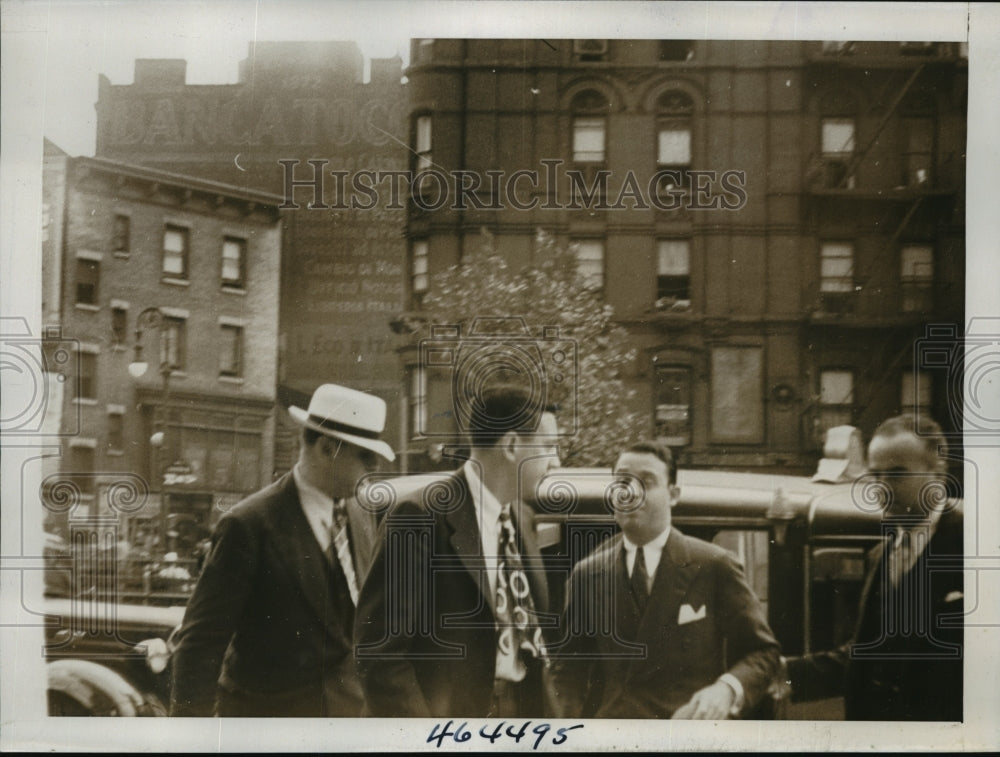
x,y
97,689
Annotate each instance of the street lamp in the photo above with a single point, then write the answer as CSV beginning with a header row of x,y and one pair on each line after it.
x,y
152,318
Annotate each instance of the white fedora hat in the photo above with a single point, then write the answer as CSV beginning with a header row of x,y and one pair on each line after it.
x,y
347,414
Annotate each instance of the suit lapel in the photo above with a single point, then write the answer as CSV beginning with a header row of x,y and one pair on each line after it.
x,y
531,557
300,551
362,533
670,586
464,536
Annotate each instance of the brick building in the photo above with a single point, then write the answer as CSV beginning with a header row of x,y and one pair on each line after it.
x,y
777,223
342,269
188,270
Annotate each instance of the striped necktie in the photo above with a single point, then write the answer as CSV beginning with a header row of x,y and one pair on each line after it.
x,y
340,547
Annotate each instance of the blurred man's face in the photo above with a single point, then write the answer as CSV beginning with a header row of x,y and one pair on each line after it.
x,y
537,454
911,473
647,518
351,464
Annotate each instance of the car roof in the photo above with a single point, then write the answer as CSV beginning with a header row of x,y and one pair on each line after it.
x,y
166,617
736,496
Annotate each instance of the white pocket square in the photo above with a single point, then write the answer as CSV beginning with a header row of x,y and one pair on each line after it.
x,y
688,614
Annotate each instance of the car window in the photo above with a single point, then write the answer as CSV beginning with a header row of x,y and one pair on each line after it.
x,y
837,570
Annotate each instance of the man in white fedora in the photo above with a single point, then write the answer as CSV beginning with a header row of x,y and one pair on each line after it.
x,y
268,630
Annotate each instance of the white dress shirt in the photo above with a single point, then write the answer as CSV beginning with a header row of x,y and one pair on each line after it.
x,y
487,508
317,507
652,551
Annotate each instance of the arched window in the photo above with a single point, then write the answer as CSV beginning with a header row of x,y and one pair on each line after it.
x,y
590,125
673,136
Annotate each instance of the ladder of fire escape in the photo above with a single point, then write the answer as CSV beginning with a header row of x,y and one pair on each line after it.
x,y
859,157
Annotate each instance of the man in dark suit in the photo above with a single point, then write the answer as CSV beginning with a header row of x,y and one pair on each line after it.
x,y
905,659
450,619
268,630
688,637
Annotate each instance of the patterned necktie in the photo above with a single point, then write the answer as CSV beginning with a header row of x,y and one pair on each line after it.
x,y
515,612
341,548
640,580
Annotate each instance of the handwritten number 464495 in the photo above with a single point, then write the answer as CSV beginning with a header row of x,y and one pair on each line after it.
x,y
462,734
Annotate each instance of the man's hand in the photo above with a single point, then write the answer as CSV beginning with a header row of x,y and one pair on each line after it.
x,y
711,703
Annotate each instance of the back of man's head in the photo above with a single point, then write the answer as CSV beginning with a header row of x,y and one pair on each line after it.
x,y
501,408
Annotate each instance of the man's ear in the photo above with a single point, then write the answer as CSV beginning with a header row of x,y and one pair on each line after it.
x,y
675,494
507,444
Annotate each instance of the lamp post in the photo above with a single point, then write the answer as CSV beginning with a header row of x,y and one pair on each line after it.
x,y
152,318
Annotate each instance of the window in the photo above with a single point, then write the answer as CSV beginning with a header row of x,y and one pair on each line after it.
x,y
918,151
231,354
590,50
88,273
836,401
590,261
81,463
119,325
917,278
588,139
838,150
172,340
234,254
418,401
88,376
673,274
115,431
425,50
836,276
676,49
673,138
672,421
422,142
120,235
418,273
175,252
917,48
589,109
915,393
838,47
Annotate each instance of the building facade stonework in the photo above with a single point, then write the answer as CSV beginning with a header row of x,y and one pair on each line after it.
x,y
779,224
188,271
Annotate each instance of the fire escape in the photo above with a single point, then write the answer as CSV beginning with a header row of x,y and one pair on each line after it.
x,y
891,295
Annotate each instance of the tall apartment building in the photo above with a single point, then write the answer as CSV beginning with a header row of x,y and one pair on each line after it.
x,y
186,270
778,224
298,112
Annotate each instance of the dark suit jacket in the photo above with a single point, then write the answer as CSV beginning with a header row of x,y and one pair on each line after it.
x,y
268,628
906,667
426,632
614,664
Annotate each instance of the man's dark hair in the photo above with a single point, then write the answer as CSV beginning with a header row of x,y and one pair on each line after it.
x,y
658,450
310,436
502,408
921,426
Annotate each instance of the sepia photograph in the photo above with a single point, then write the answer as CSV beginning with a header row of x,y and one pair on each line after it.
x,y
499,376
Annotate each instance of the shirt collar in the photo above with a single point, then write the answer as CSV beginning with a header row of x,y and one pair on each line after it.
x,y
312,499
487,505
658,543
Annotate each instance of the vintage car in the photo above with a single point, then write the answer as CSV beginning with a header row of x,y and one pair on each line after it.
x,y
804,546
108,658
